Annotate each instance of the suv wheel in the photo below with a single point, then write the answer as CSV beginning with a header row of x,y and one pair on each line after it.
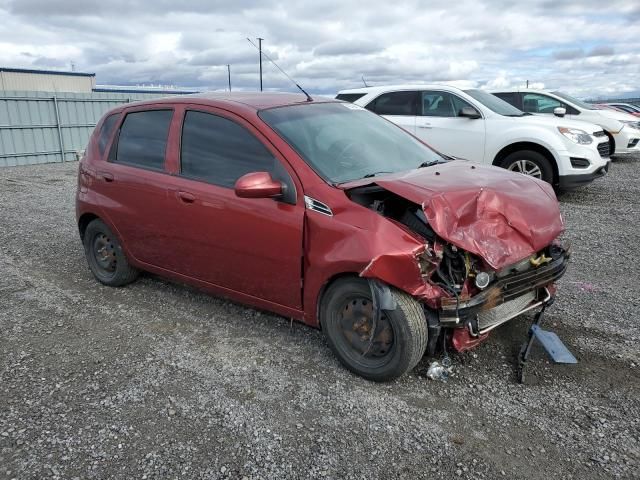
x,y
395,347
105,256
529,163
612,145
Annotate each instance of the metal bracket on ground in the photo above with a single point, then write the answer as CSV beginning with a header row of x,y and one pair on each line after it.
x,y
552,344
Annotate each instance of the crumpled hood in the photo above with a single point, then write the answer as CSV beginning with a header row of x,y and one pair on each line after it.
x,y
498,215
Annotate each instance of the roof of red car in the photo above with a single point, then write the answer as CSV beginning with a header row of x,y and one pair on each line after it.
x,y
253,100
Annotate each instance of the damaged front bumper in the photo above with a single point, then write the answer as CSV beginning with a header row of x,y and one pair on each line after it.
x,y
506,298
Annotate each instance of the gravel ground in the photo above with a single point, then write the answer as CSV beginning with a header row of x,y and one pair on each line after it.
x,y
158,380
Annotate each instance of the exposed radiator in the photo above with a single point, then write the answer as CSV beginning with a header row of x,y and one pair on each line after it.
x,y
504,311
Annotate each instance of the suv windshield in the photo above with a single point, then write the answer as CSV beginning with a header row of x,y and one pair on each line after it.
x,y
575,101
344,142
494,103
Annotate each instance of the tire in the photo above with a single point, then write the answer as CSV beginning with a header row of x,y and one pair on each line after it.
x,y
382,360
612,146
531,161
105,256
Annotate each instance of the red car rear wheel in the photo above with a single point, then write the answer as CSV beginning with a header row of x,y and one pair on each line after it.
x,y
105,256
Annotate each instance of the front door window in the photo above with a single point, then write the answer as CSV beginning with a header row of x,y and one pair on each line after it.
x,y
441,104
537,103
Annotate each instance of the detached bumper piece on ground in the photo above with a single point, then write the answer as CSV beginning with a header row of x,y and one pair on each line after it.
x,y
552,344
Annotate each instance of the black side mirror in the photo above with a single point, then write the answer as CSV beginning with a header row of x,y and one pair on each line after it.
x,y
469,112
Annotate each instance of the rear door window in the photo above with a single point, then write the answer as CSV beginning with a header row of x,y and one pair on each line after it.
x,y
105,132
220,151
349,97
395,103
143,139
509,97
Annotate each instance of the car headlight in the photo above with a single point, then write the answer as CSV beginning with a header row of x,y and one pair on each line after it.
x,y
631,123
576,135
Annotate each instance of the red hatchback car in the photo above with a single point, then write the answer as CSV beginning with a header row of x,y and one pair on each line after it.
x,y
323,212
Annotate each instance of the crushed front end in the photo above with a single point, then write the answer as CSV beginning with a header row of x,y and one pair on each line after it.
x,y
490,246
477,299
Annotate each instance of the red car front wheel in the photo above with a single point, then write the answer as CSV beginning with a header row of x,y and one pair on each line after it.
x,y
382,350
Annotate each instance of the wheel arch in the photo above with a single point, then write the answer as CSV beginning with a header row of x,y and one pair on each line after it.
x,y
325,286
612,142
536,147
84,220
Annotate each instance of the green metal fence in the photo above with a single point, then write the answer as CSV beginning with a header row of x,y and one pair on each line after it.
x,y
45,127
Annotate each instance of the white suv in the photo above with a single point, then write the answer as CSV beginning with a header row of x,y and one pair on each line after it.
x,y
622,129
477,126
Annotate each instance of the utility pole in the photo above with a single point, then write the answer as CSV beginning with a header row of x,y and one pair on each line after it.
x,y
527,83
229,74
260,51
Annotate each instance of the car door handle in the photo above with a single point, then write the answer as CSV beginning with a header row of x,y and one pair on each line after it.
x,y
425,125
106,176
186,197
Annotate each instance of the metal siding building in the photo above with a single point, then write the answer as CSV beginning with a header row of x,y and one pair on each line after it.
x,y
46,80
44,127
48,116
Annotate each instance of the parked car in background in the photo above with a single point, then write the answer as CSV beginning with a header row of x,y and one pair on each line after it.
x,y
322,212
477,126
622,107
608,107
622,129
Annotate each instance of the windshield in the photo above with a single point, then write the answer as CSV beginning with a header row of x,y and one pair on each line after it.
x,y
494,103
575,101
344,142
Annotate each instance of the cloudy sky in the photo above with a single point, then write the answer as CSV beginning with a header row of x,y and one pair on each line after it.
x,y
589,48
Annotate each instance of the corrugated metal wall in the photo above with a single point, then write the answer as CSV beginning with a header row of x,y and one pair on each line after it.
x,y
44,127
43,82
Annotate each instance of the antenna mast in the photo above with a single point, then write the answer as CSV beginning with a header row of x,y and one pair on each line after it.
x,y
260,51
309,99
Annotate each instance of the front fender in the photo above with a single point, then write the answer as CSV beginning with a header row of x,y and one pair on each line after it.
x,y
363,244
539,136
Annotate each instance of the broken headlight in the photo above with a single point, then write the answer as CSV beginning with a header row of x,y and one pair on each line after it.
x,y
483,279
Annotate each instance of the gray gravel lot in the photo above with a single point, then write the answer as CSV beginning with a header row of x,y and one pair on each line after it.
x,y
158,380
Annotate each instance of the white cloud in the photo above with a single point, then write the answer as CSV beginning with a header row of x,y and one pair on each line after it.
x,y
585,47
500,81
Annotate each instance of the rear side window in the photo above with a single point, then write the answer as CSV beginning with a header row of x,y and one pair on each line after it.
x,y
219,151
350,97
395,103
105,132
509,97
143,139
